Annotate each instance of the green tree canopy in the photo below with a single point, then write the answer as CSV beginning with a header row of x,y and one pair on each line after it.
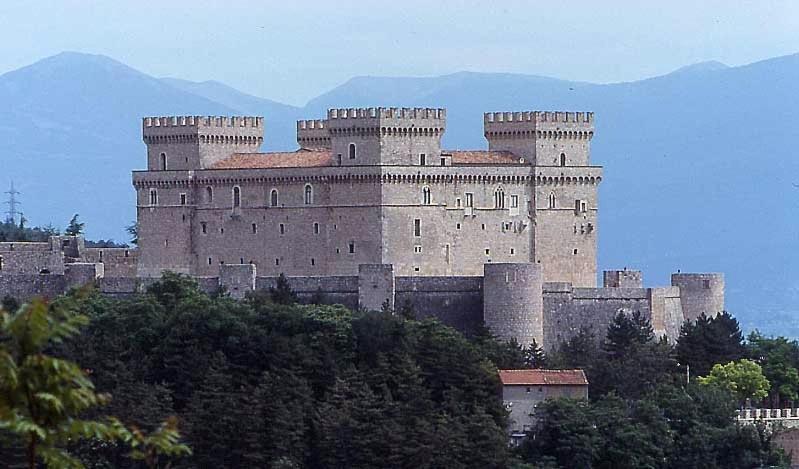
x,y
75,227
708,341
743,378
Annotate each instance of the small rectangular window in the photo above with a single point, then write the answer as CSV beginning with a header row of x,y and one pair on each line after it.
x,y
204,227
277,261
254,228
352,247
182,199
422,159
484,226
443,161
575,252
417,227
458,202
316,228
313,261
512,252
488,252
209,261
469,199
282,228
514,201
417,249
706,284
416,269
457,226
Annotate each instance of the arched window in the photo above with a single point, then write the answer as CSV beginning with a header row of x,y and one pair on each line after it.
x,y
426,200
273,198
153,197
209,194
563,159
551,200
236,197
308,194
163,161
499,198
352,151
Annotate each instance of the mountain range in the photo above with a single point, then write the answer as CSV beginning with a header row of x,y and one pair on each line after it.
x,y
700,172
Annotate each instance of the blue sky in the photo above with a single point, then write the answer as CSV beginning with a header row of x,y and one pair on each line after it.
x,y
292,51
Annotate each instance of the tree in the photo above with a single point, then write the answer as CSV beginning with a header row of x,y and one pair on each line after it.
x,y
75,227
564,432
282,293
779,358
534,356
744,379
42,396
133,231
627,331
709,340
578,352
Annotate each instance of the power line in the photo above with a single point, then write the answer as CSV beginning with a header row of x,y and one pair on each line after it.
x,y
13,203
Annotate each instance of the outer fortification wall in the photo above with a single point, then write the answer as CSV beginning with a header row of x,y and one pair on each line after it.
x,y
700,293
513,302
455,301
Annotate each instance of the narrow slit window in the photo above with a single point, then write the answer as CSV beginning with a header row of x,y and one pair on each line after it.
x,y
273,198
352,151
417,227
308,194
236,197
422,159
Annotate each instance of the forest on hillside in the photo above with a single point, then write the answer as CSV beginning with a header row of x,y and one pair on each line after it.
x,y
266,382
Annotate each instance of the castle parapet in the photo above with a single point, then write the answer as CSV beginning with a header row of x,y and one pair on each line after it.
x,y
539,116
387,113
203,121
700,293
539,124
313,134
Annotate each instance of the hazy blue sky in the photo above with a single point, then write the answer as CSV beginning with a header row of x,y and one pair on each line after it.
x,y
293,50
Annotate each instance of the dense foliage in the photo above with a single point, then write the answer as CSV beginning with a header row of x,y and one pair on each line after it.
x,y
257,383
44,400
643,412
13,232
265,382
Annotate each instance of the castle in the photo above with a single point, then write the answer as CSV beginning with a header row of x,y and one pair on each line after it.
x,y
371,211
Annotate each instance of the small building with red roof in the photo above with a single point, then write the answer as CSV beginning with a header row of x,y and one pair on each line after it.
x,y
523,390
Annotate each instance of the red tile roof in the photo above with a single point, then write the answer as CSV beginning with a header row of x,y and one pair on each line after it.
x,y
482,157
543,377
293,159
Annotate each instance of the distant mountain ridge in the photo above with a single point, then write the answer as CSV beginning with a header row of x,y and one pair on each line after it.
x,y
699,165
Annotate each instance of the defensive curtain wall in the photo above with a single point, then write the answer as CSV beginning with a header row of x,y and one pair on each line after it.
x,y
510,299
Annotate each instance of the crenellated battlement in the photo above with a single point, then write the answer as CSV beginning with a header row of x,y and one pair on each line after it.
x,y
387,113
311,124
202,121
313,134
539,116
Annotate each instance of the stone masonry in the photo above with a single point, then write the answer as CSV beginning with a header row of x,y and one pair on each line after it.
x,y
371,211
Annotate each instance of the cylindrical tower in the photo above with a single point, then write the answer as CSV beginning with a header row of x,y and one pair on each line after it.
x,y
513,302
700,293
